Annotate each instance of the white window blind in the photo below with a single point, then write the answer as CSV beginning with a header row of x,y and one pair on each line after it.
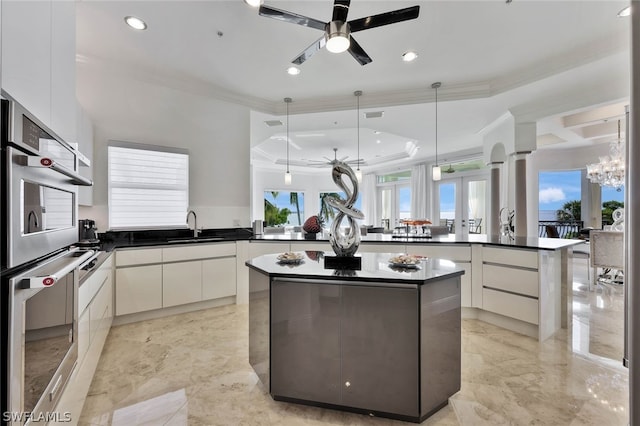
x,y
148,186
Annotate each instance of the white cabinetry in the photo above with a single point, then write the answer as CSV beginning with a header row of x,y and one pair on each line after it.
x,y
38,60
148,279
138,280
85,146
95,300
458,253
181,283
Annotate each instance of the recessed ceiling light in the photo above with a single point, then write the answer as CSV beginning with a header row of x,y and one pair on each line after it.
x,y
377,140
376,132
625,12
253,3
135,23
293,70
409,56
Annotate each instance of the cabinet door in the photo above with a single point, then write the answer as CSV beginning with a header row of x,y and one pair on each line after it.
x,y
218,278
181,283
380,338
305,341
26,55
84,336
63,70
138,289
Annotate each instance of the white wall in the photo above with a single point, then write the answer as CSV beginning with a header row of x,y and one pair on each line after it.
x,y
215,132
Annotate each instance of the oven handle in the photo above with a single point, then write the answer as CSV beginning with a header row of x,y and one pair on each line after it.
x,y
50,163
50,280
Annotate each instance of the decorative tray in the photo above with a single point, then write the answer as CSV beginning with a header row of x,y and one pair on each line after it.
x,y
290,258
405,261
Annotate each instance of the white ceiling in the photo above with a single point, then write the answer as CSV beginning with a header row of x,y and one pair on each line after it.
x,y
538,59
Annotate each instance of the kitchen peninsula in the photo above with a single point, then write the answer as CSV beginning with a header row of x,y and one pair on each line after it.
x,y
382,340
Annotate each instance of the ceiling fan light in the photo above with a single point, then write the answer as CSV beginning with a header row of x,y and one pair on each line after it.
x,y
337,37
254,3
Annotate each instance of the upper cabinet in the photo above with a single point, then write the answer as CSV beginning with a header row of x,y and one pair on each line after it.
x,y
38,60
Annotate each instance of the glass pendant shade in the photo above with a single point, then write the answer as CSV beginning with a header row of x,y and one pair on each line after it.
x,y
287,178
359,175
437,173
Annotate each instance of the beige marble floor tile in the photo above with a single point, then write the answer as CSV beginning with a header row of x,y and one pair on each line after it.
x,y
193,369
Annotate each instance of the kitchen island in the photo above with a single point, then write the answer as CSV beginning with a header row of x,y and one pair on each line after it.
x,y
381,340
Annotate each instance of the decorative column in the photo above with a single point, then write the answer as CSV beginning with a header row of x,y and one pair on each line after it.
x,y
632,223
494,206
521,193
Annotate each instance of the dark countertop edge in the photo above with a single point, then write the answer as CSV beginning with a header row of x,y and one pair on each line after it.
x,y
389,280
111,245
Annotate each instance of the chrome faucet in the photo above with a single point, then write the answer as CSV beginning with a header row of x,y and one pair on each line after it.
x,y
195,223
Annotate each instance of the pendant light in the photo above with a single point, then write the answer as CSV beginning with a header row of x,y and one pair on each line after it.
x,y
287,175
437,173
358,93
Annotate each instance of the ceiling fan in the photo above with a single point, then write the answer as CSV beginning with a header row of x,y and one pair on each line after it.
x,y
337,33
330,162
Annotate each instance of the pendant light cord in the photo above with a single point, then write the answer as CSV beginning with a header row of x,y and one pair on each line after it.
x,y
436,86
287,102
358,93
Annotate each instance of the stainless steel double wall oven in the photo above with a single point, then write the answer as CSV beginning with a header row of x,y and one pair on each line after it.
x,y
39,265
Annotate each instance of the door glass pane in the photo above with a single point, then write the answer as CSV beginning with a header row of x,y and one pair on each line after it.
x,y
476,206
447,205
385,207
404,202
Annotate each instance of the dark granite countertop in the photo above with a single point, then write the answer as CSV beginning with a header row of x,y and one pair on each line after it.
x,y
375,268
124,239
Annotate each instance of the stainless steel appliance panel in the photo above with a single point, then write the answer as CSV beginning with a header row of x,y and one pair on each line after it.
x,y
42,208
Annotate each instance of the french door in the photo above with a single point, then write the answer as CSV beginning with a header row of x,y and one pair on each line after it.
x,y
462,204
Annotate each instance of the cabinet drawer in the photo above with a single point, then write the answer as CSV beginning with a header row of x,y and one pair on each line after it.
x,y
138,257
515,257
90,287
458,253
510,305
198,251
520,281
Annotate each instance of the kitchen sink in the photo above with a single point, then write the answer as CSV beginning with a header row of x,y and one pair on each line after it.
x,y
194,240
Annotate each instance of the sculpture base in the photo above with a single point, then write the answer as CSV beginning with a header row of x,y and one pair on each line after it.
x,y
343,262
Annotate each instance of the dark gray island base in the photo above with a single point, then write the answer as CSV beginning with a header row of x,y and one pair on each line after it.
x,y
381,341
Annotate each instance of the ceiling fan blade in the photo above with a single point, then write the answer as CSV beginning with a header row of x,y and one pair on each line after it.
x,y
294,18
340,10
358,52
384,19
310,51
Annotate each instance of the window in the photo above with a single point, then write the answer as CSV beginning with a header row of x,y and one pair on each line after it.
x,y
328,212
283,208
148,186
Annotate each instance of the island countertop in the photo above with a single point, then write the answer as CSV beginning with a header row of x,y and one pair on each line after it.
x,y
489,240
375,268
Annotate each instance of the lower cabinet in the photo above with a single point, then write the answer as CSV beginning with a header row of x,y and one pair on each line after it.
x,y
181,283
138,289
326,348
218,278
150,279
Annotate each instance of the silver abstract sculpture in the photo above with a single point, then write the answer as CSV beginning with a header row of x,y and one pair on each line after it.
x,y
345,244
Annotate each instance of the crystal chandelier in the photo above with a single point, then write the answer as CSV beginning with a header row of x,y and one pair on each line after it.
x,y
610,170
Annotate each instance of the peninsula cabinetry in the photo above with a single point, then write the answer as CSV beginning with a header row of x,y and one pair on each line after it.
x,y
138,280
